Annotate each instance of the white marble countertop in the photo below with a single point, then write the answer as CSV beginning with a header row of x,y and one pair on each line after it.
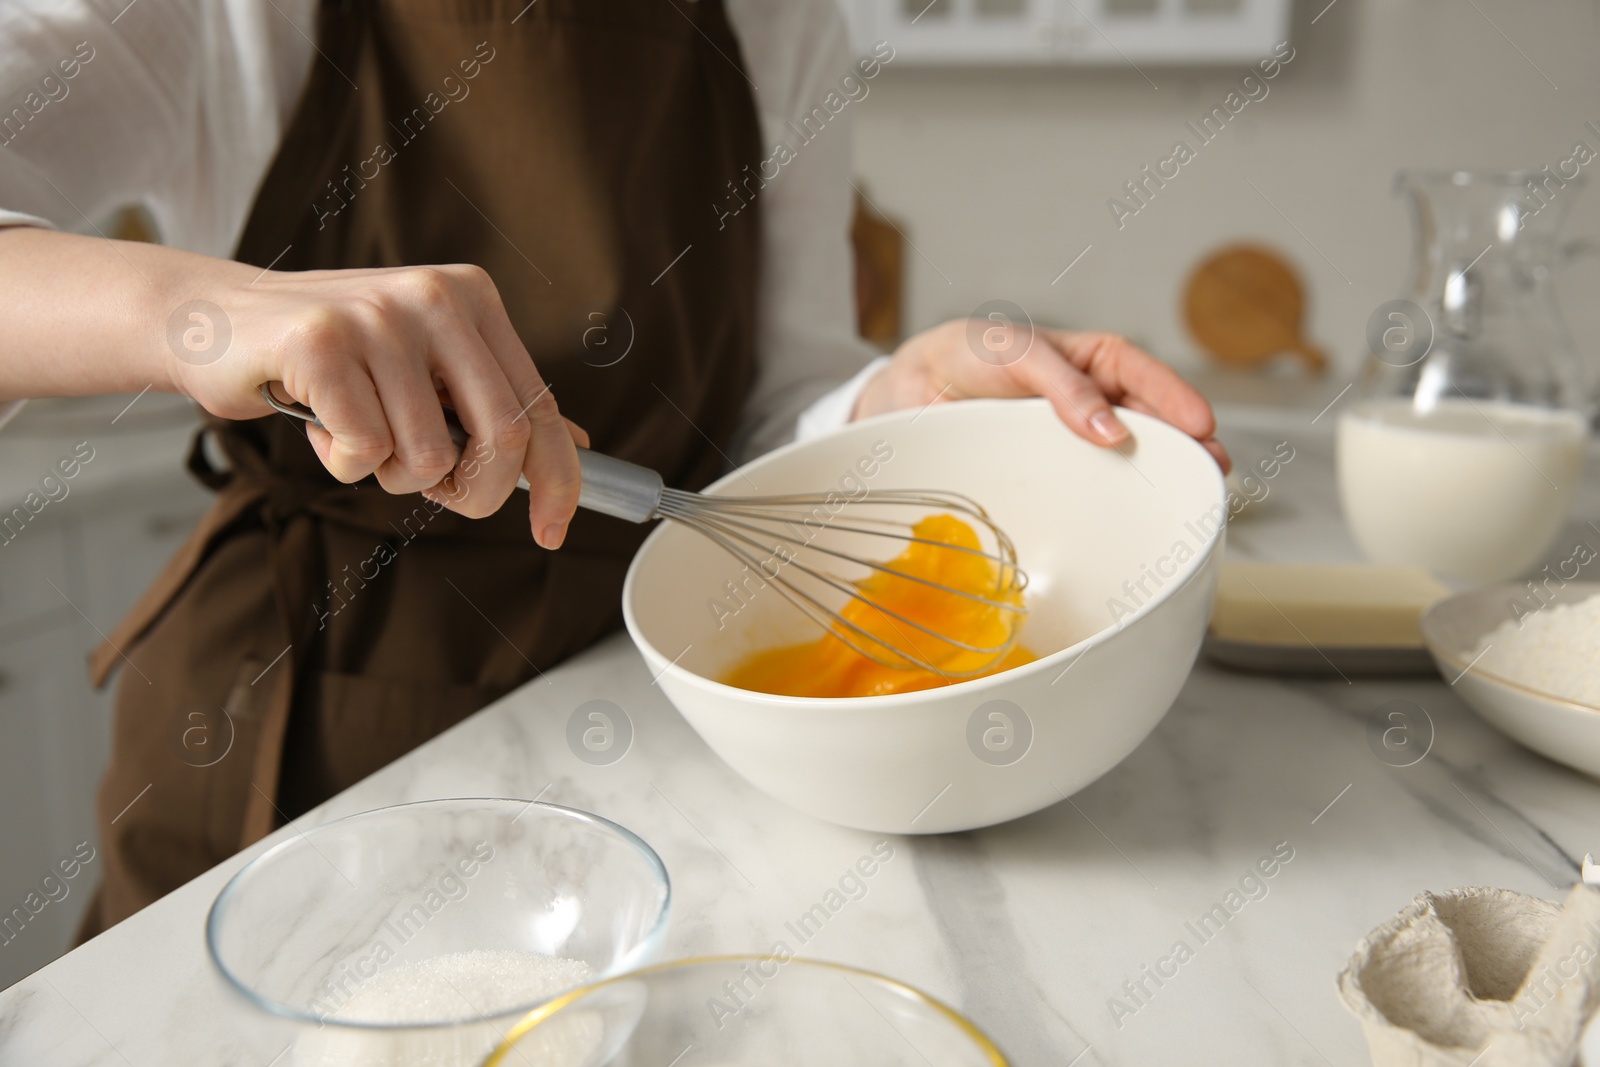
x,y
1030,927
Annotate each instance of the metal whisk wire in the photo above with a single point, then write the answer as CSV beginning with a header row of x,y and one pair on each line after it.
x,y
769,535
746,525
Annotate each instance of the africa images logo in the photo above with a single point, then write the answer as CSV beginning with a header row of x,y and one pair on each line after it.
x,y
199,332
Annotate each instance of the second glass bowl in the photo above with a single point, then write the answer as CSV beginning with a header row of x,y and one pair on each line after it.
x,y
722,1011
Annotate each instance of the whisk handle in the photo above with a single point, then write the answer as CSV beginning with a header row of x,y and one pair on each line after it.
x,y
616,487
611,486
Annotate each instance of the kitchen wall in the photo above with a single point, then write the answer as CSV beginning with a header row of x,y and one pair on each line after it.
x,y
1001,177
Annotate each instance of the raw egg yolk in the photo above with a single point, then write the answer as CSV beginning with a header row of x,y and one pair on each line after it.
x,y
831,668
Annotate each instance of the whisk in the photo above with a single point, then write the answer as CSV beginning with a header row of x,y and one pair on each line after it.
x,y
792,542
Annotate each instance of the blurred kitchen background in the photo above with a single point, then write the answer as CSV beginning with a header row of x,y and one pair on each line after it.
x,y
1001,175
990,146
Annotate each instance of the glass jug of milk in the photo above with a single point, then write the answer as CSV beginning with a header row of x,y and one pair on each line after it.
x,y
1463,449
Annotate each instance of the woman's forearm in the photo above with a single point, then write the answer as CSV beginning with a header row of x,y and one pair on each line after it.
x,y
86,315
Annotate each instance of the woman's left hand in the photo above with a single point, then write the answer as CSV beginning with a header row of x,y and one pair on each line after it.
x,y
1082,374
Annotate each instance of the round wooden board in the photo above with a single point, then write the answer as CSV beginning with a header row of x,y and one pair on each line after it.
x,y
1245,305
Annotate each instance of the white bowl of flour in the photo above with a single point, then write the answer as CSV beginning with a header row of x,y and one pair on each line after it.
x,y
1526,657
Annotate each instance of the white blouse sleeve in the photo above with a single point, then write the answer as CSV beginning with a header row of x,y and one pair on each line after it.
x,y
174,105
797,54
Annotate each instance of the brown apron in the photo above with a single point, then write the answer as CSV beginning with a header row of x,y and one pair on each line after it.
x,y
310,632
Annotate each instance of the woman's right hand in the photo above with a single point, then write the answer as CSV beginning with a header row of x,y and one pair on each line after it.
x,y
373,353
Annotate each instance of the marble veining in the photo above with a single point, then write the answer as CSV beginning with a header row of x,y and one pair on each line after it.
x,y
1039,928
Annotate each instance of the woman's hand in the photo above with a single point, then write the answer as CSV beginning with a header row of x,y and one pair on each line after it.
x,y
373,352
1081,374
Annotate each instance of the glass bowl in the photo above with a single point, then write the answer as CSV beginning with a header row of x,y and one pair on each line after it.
x,y
743,1010
416,934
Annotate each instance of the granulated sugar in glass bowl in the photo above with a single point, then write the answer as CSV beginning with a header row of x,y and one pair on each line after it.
x,y
414,935
1555,650
487,981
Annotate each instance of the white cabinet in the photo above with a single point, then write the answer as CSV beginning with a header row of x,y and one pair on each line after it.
x,y
1089,32
50,760
77,567
29,561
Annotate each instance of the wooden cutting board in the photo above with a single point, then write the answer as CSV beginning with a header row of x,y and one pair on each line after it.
x,y
1245,304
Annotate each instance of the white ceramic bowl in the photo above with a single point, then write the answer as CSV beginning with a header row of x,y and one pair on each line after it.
x,y
1453,628
1085,520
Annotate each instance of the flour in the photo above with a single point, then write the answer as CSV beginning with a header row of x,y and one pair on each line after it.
x,y
473,987
461,985
1555,651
